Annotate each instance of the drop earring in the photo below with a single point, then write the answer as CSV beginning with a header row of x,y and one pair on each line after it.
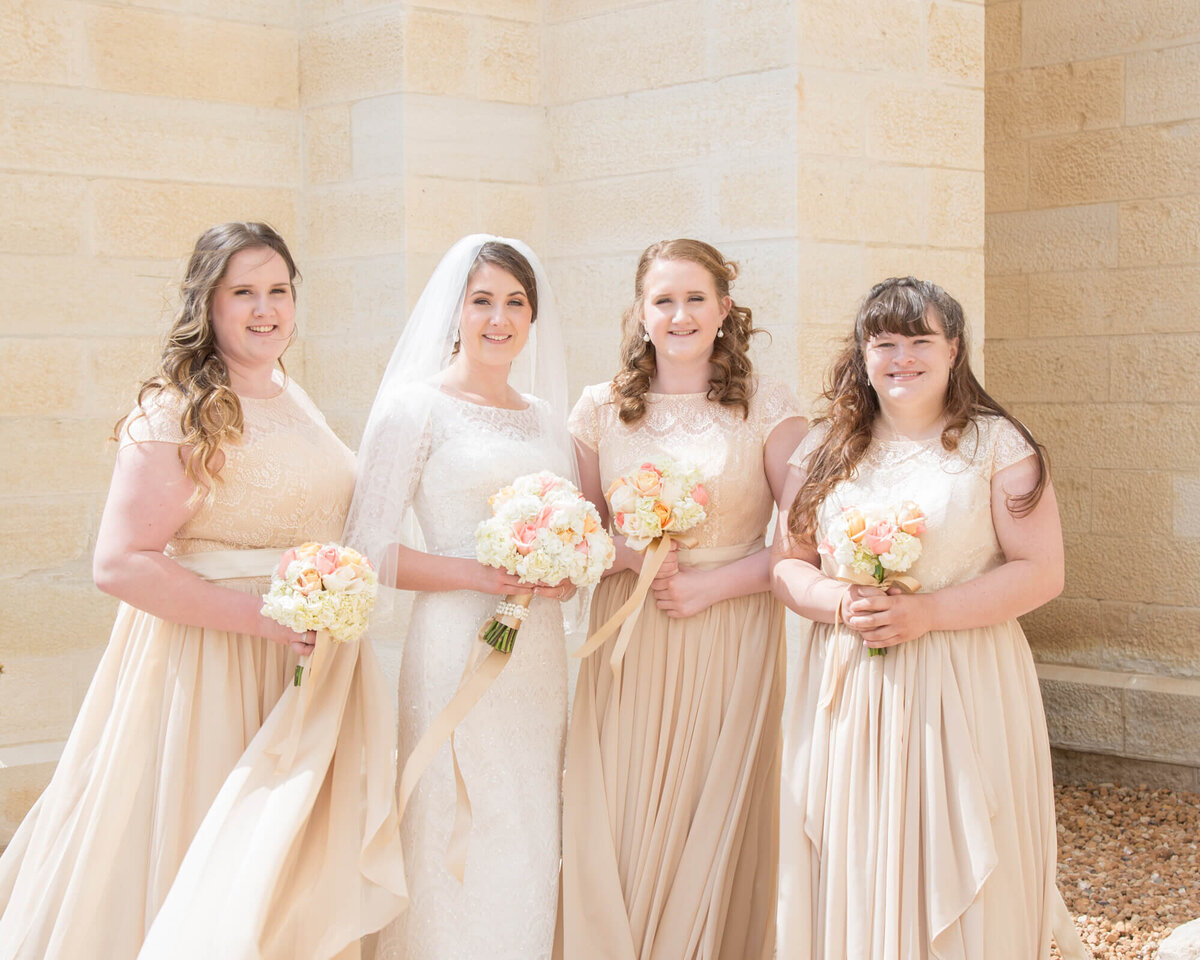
x,y
720,332
645,337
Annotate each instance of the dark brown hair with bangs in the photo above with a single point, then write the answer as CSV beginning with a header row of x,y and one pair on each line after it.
x,y
900,306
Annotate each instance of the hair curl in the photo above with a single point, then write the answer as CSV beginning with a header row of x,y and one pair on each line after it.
x,y
898,306
732,380
190,365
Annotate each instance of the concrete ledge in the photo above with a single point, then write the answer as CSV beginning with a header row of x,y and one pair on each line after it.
x,y
1072,766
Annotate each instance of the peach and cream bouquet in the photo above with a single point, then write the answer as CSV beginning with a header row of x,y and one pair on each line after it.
x,y
545,531
657,498
324,587
873,545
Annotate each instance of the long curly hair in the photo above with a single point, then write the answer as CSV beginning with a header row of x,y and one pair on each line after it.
x,y
190,366
732,380
898,306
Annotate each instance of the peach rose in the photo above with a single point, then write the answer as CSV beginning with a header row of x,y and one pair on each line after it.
x,y
622,497
911,518
663,512
700,495
879,537
284,562
308,582
648,481
856,523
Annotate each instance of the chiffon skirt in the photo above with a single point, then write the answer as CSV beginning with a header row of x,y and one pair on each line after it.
x,y
671,810
918,805
169,712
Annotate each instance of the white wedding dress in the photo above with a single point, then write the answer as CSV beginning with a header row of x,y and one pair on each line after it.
x,y
510,747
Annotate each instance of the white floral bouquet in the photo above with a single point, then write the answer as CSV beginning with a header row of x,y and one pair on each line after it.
x,y
322,586
657,498
545,531
876,545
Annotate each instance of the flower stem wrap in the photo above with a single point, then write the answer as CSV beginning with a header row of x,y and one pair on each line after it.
x,y
850,575
501,630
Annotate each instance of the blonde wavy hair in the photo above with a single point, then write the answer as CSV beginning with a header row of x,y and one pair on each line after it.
x,y
732,380
900,305
190,366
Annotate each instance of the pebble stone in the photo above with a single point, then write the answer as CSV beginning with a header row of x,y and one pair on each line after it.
x,y
1128,865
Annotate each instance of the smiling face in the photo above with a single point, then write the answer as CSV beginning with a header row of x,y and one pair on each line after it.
x,y
911,372
681,311
495,318
253,310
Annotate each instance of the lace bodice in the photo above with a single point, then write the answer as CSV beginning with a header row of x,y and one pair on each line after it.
x,y
953,488
288,480
466,453
727,448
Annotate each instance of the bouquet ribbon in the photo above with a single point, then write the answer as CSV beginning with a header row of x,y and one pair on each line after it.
x,y
482,669
286,750
626,617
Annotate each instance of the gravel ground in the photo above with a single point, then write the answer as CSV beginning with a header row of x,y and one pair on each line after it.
x,y
1128,865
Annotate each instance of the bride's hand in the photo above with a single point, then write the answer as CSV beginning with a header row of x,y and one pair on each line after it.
x,y
561,591
496,581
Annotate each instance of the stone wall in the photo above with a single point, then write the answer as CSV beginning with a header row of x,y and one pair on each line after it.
x,y
1093,275
124,131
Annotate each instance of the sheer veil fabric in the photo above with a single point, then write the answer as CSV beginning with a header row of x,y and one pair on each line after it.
x,y
381,512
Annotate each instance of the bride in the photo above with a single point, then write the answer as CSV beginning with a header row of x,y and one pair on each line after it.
x,y
449,428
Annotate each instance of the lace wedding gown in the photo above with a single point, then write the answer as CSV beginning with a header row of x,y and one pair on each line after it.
x,y
171,707
670,839
510,747
918,805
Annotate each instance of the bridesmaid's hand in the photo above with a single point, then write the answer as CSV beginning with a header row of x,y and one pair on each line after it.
x,y
494,580
683,593
560,591
302,643
886,620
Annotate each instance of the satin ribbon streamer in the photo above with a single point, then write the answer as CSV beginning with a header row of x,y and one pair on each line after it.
x,y
627,614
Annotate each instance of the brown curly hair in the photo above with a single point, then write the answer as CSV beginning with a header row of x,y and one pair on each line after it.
x,y
898,306
190,366
732,380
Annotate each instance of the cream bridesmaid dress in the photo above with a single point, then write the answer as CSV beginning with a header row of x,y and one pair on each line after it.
x,y
671,792
918,804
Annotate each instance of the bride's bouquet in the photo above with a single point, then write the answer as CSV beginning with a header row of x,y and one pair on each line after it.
x,y
324,587
545,531
876,546
657,498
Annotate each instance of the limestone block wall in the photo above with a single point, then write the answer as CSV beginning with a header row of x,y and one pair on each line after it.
x,y
124,130
1093,272
667,119
890,163
421,123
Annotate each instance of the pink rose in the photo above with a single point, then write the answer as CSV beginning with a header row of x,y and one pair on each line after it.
x,y
525,535
326,560
543,517
700,495
547,483
284,562
878,538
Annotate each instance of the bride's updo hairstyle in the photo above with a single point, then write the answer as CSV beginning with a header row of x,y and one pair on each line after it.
x,y
732,382
190,366
898,306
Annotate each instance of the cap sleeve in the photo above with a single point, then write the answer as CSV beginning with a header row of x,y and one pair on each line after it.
x,y
1008,445
156,419
812,440
775,402
584,421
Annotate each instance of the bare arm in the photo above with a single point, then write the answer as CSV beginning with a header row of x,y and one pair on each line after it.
x,y
147,503
689,591
1031,575
416,570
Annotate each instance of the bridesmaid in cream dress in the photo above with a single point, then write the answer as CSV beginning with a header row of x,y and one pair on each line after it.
x,y
918,806
224,464
671,791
